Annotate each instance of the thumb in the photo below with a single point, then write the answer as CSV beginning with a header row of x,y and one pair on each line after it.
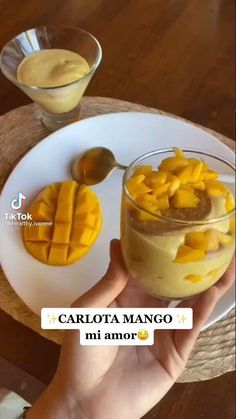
x,y
110,286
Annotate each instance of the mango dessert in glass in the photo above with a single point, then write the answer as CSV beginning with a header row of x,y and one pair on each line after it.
x,y
53,66
177,221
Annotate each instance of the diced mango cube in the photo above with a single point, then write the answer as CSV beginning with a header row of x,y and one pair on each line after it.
x,y
197,240
149,206
149,197
58,254
139,190
225,239
96,210
41,212
171,164
55,188
212,240
186,254
194,278
86,236
205,166
174,184
178,152
194,161
216,188
185,199
135,180
185,174
64,212
186,187
135,187
40,250
161,176
143,170
207,241
163,202
209,175
37,233
81,235
159,189
67,192
197,169
61,233
143,216
49,195
97,225
85,200
155,178
199,185
87,220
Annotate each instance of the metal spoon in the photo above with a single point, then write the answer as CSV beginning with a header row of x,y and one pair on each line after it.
x,y
94,165
97,163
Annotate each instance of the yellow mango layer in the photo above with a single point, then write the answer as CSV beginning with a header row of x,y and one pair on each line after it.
x,y
75,215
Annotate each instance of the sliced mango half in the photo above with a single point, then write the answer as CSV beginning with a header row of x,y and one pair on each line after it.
x,y
72,219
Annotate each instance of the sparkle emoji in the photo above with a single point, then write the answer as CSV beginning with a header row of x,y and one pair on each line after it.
x,y
181,319
52,319
143,334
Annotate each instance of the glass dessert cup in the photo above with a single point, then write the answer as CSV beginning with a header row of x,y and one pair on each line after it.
x,y
150,242
59,106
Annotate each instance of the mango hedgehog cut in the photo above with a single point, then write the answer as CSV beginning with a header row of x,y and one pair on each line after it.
x,y
67,219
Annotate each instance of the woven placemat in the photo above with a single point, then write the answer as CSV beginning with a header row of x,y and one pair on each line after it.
x,y
20,130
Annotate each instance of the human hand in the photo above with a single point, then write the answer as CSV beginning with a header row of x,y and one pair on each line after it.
x,y
104,382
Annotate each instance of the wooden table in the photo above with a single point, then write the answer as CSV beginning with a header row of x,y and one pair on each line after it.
x,y
176,55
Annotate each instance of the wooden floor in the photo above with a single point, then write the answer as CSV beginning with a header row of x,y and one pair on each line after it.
x,y
175,55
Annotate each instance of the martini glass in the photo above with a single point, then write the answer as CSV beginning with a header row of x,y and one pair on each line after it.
x,y
60,105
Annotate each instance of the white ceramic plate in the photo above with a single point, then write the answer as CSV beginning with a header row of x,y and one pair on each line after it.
x,y
128,135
